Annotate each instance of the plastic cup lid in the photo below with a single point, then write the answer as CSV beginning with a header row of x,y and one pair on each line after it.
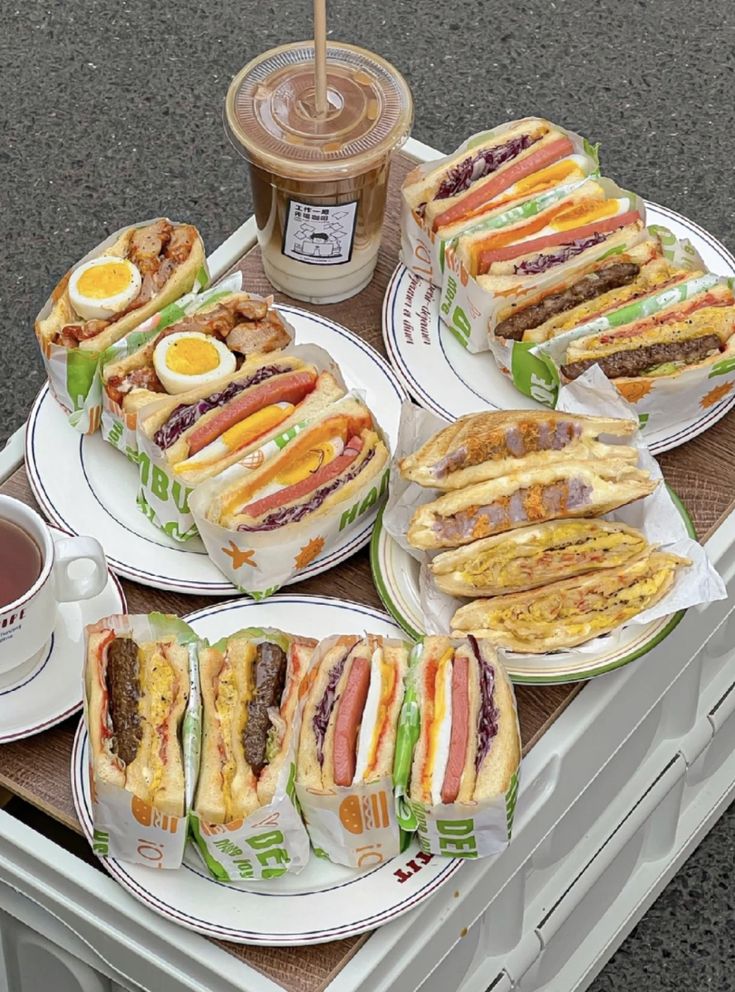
x,y
271,114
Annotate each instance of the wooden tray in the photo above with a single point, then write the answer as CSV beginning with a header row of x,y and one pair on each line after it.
x,y
37,769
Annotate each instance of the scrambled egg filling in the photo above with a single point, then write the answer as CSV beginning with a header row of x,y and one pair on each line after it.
x,y
232,712
161,691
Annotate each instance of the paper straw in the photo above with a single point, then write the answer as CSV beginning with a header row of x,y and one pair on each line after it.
x,y
320,56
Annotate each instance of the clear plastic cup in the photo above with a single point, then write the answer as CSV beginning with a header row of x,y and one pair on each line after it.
x,y
319,184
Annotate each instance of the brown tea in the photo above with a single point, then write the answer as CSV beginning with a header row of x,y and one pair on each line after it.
x,y
21,562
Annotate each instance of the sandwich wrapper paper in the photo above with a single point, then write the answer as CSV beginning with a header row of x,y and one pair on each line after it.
x,y
353,825
125,827
452,830
272,840
73,373
259,563
656,516
118,426
424,253
164,497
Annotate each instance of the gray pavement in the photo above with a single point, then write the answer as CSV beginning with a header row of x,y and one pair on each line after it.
x,y
112,111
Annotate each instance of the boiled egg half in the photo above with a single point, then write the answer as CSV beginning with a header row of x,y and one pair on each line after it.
x,y
190,359
103,287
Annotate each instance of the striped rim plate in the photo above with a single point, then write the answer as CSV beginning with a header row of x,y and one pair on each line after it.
x,y
325,901
445,378
86,486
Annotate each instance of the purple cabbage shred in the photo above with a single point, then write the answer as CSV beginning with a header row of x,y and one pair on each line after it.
x,y
541,263
479,165
187,414
487,719
292,514
325,707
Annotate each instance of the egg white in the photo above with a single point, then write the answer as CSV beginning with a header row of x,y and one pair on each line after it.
x,y
443,736
102,308
623,206
369,716
179,382
215,449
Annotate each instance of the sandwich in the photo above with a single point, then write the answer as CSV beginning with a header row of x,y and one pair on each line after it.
x,y
325,465
350,715
557,491
535,556
469,747
526,197
689,333
136,697
246,325
474,177
567,613
205,430
582,211
250,693
588,285
483,446
102,299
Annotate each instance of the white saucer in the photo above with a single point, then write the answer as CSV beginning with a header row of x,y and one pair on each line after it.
x,y
48,689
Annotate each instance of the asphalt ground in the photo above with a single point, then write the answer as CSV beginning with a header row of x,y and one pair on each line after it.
x,y
112,111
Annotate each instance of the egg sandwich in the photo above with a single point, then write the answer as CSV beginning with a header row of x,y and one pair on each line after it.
x,y
203,345
473,179
334,457
469,747
484,446
697,331
203,431
250,692
535,556
350,716
136,697
102,299
564,614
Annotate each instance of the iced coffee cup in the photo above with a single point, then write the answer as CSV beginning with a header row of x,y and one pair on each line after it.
x,y
319,182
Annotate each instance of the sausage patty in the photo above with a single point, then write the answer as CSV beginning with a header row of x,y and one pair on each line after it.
x,y
270,681
589,287
638,361
123,682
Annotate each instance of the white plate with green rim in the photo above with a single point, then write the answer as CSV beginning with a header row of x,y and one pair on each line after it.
x,y
396,576
323,902
86,486
444,377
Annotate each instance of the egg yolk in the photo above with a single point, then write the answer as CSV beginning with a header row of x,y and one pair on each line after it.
x,y
306,466
102,281
583,213
192,356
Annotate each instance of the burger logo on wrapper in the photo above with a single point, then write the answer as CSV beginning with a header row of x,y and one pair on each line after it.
x,y
360,814
147,816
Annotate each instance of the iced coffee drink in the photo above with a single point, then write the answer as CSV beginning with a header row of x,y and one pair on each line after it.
x,y
319,181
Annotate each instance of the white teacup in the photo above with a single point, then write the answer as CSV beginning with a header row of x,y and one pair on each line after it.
x,y
26,625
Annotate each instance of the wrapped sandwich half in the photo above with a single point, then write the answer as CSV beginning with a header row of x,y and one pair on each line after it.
x,y
137,688
347,748
244,820
464,773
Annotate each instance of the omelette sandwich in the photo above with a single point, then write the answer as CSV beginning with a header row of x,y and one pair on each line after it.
x,y
535,556
469,746
247,325
250,694
692,332
101,300
483,446
567,613
136,698
207,429
350,716
559,490
332,458
472,178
